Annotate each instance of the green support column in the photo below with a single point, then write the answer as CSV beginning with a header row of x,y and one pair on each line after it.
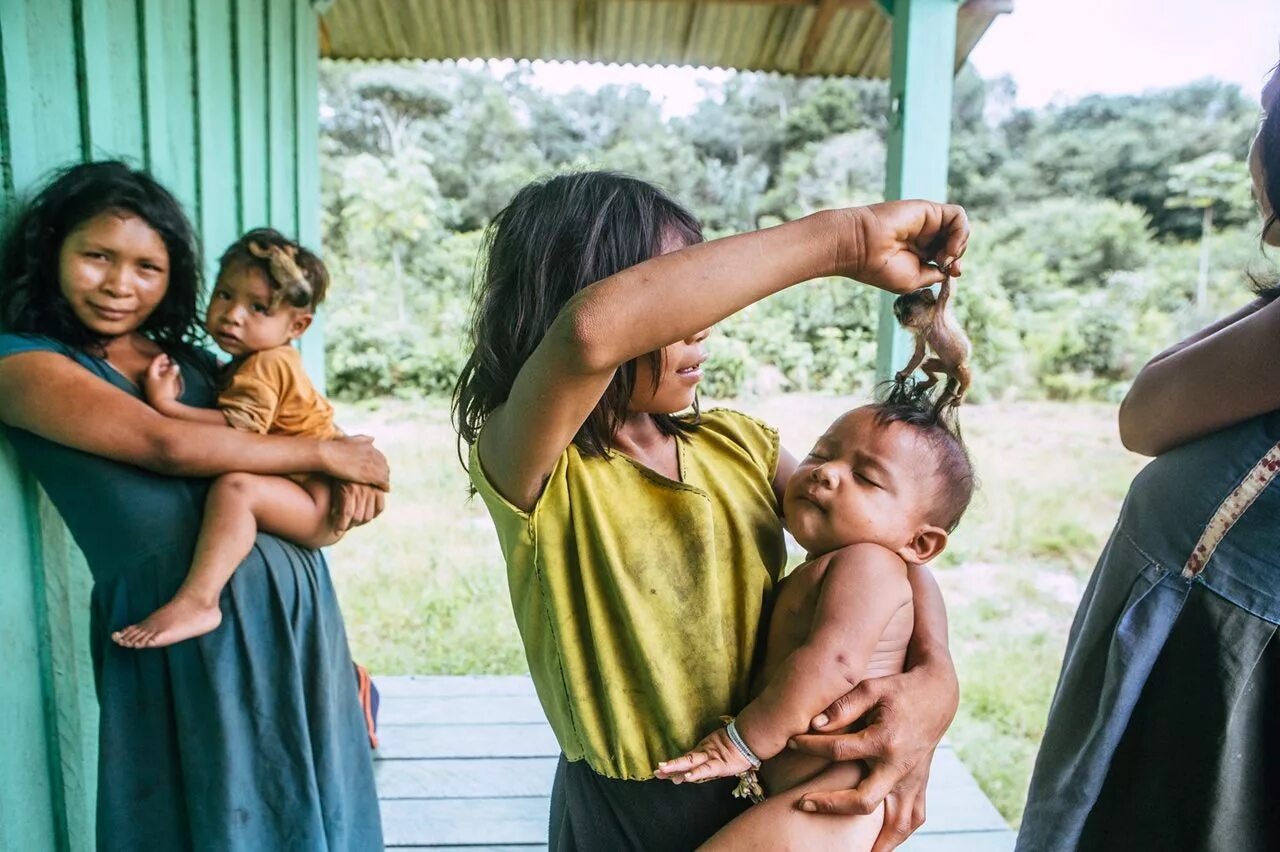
x,y
924,58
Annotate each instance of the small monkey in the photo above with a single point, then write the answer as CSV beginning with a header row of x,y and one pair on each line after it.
x,y
933,324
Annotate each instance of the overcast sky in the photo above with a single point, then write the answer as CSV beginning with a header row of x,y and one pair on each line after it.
x,y
1057,48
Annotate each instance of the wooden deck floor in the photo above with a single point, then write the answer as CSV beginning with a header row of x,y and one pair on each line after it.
x,y
467,762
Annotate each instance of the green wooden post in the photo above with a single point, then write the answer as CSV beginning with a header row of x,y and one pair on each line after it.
x,y
306,101
924,59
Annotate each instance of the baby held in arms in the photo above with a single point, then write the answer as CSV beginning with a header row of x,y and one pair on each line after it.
x,y
880,491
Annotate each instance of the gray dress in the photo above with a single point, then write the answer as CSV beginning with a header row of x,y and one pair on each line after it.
x,y
1164,732
247,738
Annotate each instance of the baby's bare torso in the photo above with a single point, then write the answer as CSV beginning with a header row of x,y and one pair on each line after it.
x,y
789,626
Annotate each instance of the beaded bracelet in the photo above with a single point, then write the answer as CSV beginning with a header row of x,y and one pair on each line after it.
x,y
741,745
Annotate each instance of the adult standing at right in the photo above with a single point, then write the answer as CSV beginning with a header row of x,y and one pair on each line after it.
x,y
1164,732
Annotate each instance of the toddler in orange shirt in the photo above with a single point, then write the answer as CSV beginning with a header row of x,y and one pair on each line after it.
x,y
265,296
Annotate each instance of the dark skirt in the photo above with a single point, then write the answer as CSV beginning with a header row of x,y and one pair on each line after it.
x,y
592,813
1198,767
1164,731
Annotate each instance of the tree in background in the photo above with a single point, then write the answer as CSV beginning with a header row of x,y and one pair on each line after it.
x,y
1081,263
1215,181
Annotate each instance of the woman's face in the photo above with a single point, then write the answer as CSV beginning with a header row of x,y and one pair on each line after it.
x,y
114,271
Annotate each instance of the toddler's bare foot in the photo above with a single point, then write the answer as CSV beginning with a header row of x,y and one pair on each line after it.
x,y
179,619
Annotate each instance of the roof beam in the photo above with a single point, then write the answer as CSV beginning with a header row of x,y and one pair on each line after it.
x,y
991,7
842,4
821,23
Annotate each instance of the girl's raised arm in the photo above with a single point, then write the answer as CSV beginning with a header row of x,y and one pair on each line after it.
x,y
47,394
676,296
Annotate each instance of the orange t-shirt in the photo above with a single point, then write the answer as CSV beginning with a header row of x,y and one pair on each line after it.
x,y
269,393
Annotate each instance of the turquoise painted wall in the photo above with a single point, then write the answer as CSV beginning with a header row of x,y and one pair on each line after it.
x,y
218,99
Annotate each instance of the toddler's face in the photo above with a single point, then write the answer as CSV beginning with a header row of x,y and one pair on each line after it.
x,y
863,482
240,317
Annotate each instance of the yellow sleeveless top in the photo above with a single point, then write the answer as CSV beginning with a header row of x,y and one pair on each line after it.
x,y
639,598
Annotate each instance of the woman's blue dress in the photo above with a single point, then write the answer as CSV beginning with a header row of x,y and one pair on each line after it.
x,y
1164,732
249,738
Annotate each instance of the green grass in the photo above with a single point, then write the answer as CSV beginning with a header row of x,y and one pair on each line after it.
x,y
424,590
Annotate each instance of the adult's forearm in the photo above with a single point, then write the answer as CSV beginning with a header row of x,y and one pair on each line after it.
x,y
202,449
1220,377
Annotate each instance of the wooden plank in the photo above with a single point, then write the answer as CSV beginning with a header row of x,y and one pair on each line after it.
x,y
984,841
531,847
170,98
306,103
281,118
466,710
817,29
52,773
250,55
486,778
67,588
30,810
111,56
218,171
426,822
42,104
961,841
438,686
399,742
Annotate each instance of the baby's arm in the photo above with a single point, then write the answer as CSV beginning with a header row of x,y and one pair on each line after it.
x,y
864,586
163,384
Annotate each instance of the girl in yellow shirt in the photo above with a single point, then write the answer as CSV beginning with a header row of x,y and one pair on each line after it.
x,y
643,544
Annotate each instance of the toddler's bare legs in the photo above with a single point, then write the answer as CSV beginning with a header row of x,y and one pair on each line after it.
x,y
238,506
777,825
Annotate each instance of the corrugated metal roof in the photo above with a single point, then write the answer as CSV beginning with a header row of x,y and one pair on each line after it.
x,y
822,37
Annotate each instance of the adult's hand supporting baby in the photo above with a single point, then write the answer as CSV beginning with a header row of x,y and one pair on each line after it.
x,y
354,459
353,504
891,245
905,717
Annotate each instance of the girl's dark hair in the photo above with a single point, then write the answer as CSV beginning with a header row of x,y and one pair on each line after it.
x,y
239,256
31,300
1269,157
556,237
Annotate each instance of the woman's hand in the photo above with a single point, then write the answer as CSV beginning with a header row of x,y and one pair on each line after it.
x,y
715,757
353,504
355,460
894,245
905,717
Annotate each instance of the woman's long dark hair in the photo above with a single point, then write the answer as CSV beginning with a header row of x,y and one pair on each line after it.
x,y
556,237
31,299
1268,148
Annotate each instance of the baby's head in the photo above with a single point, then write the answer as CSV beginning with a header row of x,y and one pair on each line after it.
x,y
266,293
891,474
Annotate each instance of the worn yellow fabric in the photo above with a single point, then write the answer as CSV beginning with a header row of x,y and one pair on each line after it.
x,y
269,392
639,598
